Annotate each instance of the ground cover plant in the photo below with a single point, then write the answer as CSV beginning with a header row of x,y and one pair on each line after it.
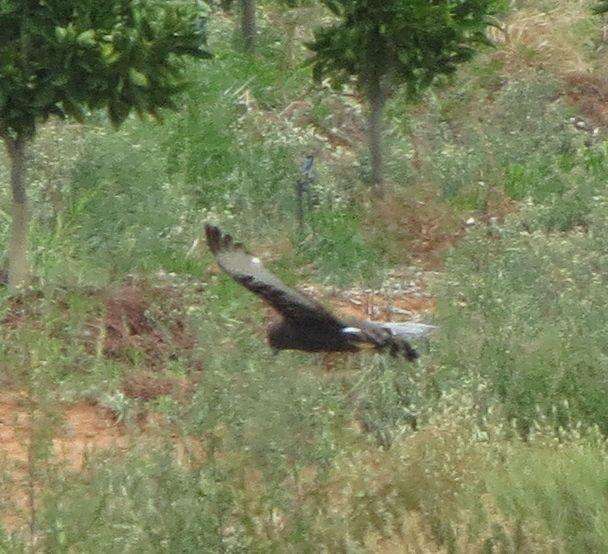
x,y
139,408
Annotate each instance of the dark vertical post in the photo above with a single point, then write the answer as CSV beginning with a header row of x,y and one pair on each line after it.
x,y
302,189
248,25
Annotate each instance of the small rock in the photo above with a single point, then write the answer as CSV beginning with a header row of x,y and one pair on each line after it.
x,y
69,430
400,311
470,222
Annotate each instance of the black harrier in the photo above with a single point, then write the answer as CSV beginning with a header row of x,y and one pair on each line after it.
x,y
305,324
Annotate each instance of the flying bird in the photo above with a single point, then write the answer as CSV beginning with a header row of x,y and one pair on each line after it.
x,y
304,324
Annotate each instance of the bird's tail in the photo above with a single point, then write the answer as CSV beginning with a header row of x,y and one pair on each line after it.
x,y
377,336
399,346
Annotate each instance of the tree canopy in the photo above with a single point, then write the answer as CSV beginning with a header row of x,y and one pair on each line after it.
x,y
400,41
380,44
60,57
601,7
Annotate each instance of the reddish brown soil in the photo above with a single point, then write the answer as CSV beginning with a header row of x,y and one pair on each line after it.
x,y
84,427
148,320
589,93
136,321
19,310
147,385
140,325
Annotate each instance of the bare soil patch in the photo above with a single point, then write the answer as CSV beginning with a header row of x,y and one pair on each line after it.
x,y
147,319
84,429
134,322
589,93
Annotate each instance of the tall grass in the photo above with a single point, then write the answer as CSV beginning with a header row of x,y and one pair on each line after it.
x,y
522,311
494,442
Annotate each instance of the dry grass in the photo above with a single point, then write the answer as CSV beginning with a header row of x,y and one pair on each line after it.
x,y
418,225
564,39
554,36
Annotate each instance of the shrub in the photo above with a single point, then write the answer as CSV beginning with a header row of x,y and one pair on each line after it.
x,y
522,315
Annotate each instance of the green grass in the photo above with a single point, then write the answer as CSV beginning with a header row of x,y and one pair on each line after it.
x,y
494,442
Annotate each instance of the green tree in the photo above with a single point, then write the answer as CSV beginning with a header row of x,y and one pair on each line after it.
x,y
64,57
380,44
601,7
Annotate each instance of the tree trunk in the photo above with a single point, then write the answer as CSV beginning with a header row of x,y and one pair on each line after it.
x,y
18,271
375,97
248,27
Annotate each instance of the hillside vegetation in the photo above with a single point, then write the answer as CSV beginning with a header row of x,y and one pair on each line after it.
x,y
141,411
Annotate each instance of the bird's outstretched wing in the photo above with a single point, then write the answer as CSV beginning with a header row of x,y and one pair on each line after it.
x,y
248,270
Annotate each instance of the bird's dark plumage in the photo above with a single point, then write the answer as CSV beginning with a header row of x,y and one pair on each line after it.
x,y
305,324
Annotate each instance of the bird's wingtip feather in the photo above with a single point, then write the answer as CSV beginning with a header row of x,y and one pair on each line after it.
x,y
213,235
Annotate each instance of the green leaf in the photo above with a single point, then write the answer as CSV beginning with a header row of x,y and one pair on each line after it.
x,y
109,53
118,54
602,7
87,38
118,111
61,33
73,109
138,78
